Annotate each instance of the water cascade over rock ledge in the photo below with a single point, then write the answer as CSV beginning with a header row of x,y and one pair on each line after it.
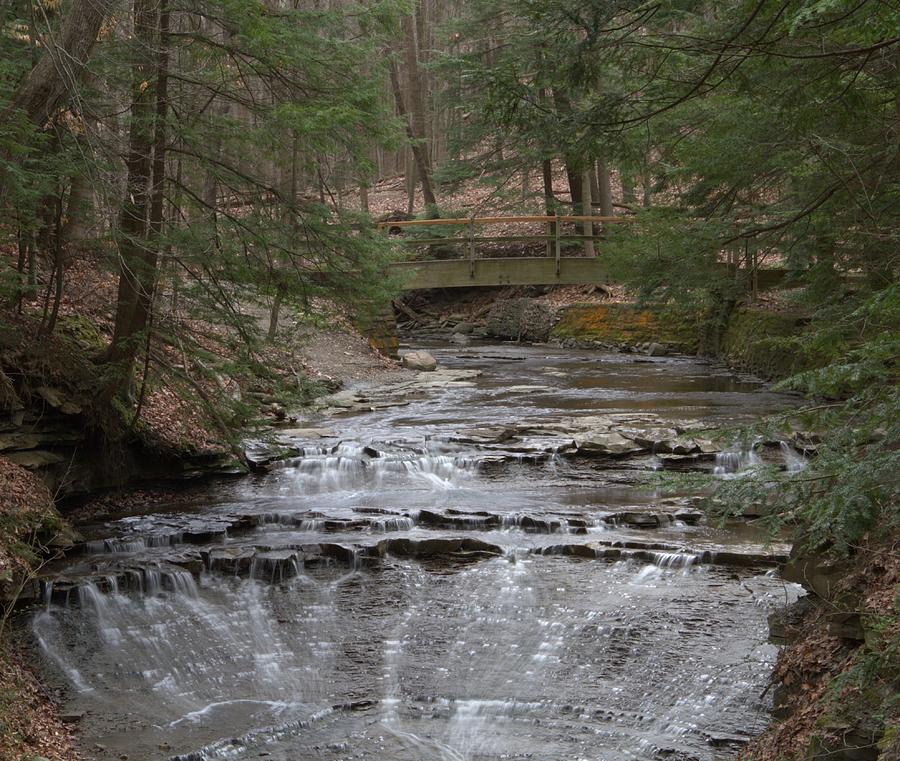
x,y
469,566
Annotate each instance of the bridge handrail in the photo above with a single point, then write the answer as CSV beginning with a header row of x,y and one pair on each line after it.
x,y
502,220
554,239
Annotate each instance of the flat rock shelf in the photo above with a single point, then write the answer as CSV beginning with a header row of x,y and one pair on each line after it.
x,y
470,565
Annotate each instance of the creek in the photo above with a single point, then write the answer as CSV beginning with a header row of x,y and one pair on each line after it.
x,y
469,566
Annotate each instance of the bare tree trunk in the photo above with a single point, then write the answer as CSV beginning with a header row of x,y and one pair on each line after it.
x,y
364,197
628,196
648,191
19,294
32,264
79,210
275,313
417,148
137,253
604,189
50,83
574,178
586,209
409,176
422,78
549,198
58,267
413,26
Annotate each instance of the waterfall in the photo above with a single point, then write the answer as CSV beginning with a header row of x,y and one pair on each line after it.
x,y
736,459
794,462
353,466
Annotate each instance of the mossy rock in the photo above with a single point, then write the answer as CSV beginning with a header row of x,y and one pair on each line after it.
x,y
628,323
765,343
83,331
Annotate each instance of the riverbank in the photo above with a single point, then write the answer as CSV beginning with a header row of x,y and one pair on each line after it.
x,y
761,339
30,723
837,680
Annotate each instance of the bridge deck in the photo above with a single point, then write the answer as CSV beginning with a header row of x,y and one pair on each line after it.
x,y
535,270
551,269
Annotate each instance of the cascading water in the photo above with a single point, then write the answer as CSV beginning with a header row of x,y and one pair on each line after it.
x,y
793,461
349,465
414,593
736,460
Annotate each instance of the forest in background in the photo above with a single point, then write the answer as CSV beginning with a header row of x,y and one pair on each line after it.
x,y
214,159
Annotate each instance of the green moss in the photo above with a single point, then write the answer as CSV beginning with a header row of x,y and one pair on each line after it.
x,y
764,342
83,331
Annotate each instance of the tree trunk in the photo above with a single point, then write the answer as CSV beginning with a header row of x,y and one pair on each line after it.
x,y
549,198
605,189
409,177
628,196
79,210
136,249
274,313
50,83
364,197
416,145
586,209
574,178
59,265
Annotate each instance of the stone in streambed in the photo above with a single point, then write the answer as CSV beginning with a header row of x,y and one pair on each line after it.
x,y
643,519
605,442
230,561
419,360
425,548
571,550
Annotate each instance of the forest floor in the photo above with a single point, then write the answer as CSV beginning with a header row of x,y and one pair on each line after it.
x,y
836,685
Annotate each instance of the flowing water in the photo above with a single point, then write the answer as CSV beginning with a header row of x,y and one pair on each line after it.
x,y
444,578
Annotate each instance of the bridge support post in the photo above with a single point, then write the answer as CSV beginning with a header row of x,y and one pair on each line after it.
x,y
472,249
558,243
380,330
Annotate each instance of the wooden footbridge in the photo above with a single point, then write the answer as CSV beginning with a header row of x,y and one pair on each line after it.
x,y
464,259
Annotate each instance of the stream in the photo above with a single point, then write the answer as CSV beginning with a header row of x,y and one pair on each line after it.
x,y
465,566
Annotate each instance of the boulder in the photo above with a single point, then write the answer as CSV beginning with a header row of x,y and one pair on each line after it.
x,y
70,408
656,350
464,327
459,338
419,360
639,519
53,396
605,442
35,459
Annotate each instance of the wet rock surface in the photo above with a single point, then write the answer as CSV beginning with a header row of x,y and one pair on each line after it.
x,y
464,565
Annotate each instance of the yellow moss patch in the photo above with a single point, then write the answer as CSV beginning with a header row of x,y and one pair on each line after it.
x,y
626,323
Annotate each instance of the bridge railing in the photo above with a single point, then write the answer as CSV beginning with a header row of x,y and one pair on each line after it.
x,y
553,238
